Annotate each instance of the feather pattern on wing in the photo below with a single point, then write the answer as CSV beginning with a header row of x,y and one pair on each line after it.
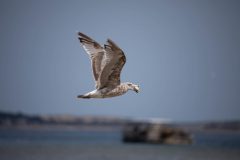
x,y
107,62
114,62
96,53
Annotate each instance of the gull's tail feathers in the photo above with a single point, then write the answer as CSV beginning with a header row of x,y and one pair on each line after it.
x,y
83,96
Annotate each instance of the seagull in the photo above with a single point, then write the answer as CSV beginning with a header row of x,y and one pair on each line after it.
x,y
107,62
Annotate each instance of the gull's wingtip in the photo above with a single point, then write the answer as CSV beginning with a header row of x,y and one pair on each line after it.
x,y
80,34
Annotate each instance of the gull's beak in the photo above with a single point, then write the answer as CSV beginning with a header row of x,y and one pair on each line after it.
x,y
136,89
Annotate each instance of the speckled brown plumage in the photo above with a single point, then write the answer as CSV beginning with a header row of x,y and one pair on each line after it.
x,y
107,63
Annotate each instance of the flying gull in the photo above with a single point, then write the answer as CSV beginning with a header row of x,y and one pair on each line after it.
x,y
107,62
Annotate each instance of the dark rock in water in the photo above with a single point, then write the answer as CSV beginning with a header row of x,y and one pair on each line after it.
x,y
155,133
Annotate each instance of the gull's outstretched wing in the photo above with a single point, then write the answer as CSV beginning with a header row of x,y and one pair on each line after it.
x,y
112,65
96,53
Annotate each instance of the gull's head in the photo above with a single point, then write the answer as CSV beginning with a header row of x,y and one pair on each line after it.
x,y
133,87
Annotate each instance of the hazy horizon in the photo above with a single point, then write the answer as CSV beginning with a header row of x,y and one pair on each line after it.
x,y
184,55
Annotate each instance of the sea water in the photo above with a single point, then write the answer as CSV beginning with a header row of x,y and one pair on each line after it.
x,y
37,144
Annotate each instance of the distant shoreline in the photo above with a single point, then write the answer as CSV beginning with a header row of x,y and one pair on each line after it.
x,y
10,120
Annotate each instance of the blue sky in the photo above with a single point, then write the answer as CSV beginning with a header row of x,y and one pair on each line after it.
x,y
184,54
